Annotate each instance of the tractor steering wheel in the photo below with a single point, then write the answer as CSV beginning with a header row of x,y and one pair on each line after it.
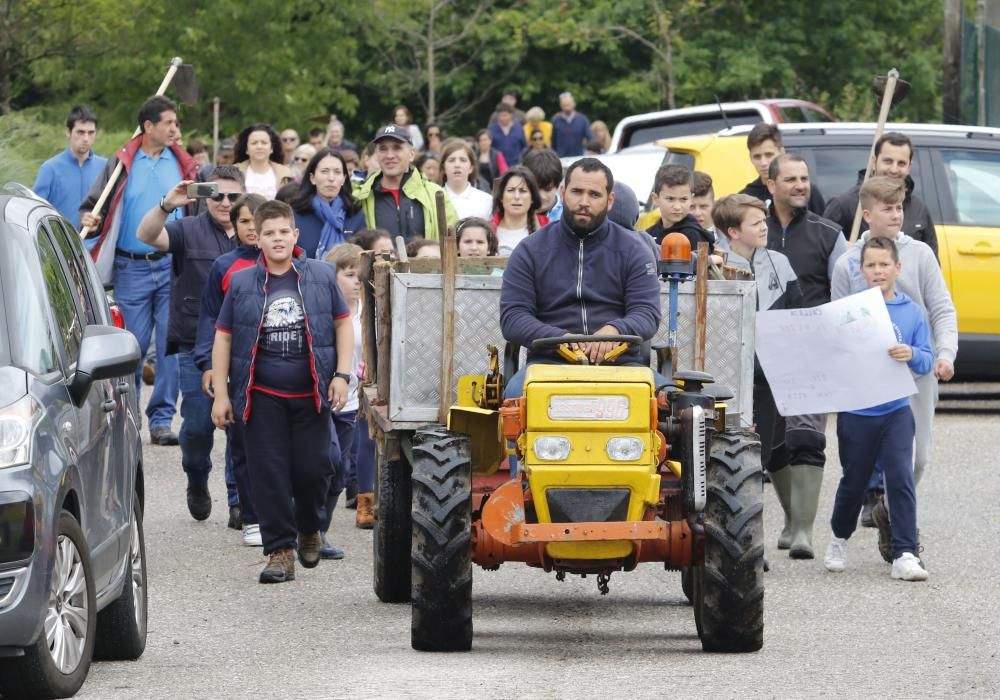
x,y
566,346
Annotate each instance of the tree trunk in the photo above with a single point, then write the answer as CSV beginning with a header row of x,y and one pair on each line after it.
x,y
951,97
431,87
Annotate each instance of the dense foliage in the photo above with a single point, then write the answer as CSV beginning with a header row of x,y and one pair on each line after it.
x,y
290,61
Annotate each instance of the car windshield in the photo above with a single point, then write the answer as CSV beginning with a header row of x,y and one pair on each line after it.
x,y
27,339
689,125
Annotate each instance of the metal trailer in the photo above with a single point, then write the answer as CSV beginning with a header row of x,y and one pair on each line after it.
x,y
403,342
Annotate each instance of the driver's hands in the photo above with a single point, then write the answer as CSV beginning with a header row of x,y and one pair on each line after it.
x,y
595,351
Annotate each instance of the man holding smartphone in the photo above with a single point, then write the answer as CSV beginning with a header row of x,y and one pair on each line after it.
x,y
194,242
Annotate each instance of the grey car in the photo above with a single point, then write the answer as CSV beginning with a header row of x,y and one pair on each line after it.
x,y
72,555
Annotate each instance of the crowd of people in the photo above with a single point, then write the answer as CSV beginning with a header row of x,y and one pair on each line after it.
x,y
250,290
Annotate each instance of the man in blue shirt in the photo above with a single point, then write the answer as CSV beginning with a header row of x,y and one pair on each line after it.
x,y
508,135
153,164
570,129
65,179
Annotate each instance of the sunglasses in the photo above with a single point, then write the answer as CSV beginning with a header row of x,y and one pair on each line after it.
x,y
231,196
298,159
537,138
288,139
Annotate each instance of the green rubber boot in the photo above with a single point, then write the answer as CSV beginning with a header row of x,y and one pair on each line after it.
x,y
782,482
806,482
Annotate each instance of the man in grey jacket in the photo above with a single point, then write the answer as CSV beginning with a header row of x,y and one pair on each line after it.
x,y
920,279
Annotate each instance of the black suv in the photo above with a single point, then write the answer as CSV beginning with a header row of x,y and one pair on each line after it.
x,y
72,556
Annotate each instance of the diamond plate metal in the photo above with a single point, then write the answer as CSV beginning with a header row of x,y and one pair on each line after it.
x,y
416,338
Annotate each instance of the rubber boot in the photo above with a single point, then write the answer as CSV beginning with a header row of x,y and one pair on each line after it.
x,y
806,481
782,481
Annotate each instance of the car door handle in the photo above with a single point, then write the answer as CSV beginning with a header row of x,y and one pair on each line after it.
x,y
108,405
122,388
984,249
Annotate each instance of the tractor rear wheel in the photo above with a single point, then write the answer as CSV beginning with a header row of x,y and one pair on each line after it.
x,y
730,602
392,533
441,556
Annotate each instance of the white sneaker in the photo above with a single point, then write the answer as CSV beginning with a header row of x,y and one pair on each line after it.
x,y
251,536
908,568
836,554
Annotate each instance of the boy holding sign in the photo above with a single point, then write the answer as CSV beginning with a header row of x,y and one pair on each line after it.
x,y
883,434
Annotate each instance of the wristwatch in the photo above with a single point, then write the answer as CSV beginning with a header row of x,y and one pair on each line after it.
x,y
343,375
163,208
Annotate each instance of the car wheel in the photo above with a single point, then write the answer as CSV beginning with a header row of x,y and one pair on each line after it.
x,y
121,626
58,662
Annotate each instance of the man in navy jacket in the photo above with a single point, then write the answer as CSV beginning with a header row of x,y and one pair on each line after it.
x,y
583,274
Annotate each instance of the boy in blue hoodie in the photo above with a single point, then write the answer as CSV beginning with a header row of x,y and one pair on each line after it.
x,y
883,433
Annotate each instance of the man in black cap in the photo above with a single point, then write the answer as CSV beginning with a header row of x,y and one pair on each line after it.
x,y
397,197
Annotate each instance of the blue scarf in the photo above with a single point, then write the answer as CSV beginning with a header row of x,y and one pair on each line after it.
x,y
332,215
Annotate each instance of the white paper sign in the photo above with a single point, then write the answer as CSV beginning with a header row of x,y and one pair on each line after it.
x,y
833,357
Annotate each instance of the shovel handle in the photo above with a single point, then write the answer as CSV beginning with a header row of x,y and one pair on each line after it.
x,y
883,115
175,63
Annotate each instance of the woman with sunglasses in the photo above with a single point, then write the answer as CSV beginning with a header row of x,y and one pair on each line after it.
x,y
536,142
259,157
325,212
435,140
300,159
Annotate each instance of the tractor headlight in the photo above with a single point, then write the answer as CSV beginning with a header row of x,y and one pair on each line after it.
x,y
551,448
624,449
614,407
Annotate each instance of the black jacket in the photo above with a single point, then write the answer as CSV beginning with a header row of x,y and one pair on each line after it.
x,y
689,227
917,222
195,243
759,190
812,245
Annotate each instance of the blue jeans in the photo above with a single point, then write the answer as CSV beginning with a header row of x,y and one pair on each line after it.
x,y
197,430
341,444
364,460
142,290
887,440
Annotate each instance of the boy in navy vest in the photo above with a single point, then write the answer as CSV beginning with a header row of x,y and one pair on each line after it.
x,y
283,344
883,434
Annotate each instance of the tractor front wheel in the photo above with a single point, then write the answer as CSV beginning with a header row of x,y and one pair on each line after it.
x,y
729,595
441,555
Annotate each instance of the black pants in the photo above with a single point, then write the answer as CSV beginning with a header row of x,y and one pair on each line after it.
x,y
288,455
786,440
342,440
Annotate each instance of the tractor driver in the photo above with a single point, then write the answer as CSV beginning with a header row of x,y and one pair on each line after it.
x,y
583,274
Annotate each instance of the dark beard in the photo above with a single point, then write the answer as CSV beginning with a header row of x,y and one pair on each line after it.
x,y
584,230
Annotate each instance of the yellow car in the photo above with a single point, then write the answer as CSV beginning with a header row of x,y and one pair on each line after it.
x,y
956,170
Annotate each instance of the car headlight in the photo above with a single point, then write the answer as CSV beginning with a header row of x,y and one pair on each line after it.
x,y
614,407
551,448
15,432
624,449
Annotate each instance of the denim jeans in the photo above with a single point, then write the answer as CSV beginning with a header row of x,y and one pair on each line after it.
x,y
236,456
341,444
364,460
886,440
197,430
142,291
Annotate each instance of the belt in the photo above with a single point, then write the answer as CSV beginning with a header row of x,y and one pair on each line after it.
x,y
140,256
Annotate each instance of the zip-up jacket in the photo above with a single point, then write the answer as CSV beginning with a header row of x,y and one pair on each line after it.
x,y
416,214
917,222
777,285
910,326
758,189
126,154
321,297
195,243
812,245
919,278
557,283
690,227
216,285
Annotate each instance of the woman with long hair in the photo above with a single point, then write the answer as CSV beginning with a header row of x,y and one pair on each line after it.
x,y
401,117
458,178
489,160
325,212
259,157
516,201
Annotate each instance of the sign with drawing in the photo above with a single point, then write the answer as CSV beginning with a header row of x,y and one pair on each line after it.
x,y
833,357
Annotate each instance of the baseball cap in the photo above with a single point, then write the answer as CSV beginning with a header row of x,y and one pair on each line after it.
x,y
393,131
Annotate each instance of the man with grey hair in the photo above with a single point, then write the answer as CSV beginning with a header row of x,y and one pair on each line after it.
x,y
335,137
570,129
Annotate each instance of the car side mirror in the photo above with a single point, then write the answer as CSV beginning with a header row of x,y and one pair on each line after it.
x,y
105,353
